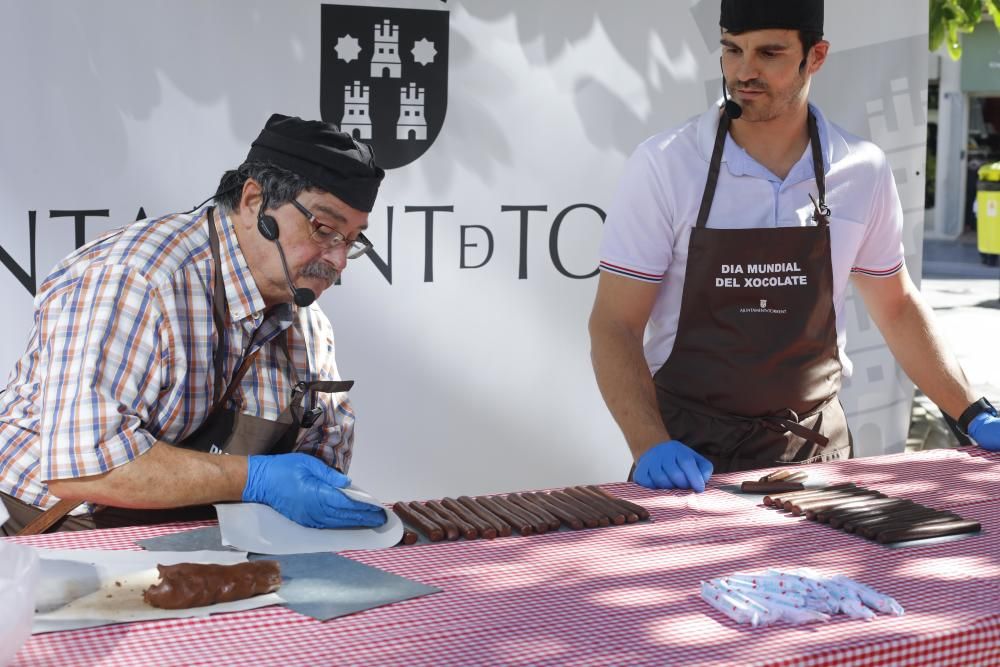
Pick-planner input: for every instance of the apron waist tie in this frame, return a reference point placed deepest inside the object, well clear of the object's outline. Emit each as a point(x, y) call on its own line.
point(782, 421)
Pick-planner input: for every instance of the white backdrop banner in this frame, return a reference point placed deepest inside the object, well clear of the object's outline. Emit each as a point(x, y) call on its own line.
point(466, 332)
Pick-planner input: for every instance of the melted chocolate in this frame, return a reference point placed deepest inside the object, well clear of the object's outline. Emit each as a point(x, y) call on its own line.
point(187, 585)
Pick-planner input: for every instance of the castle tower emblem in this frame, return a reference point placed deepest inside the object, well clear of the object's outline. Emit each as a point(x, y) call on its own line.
point(385, 56)
point(356, 119)
point(411, 124)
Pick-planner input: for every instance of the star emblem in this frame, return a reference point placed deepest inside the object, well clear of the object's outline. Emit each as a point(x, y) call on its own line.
point(347, 48)
point(423, 51)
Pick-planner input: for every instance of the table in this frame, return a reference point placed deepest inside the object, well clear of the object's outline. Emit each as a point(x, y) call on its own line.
point(618, 595)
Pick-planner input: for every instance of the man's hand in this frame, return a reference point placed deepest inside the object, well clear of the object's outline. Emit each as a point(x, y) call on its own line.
point(985, 430)
point(673, 465)
point(307, 491)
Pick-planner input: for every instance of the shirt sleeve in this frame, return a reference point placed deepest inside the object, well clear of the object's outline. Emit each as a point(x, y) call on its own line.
point(331, 438)
point(638, 236)
point(102, 369)
point(881, 251)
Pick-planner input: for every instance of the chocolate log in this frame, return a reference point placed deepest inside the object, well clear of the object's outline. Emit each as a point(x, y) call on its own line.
point(879, 507)
point(770, 487)
point(409, 537)
point(516, 522)
point(187, 585)
point(638, 510)
point(501, 526)
point(565, 515)
point(853, 507)
point(856, 524)
point(450, 529)
point(585, 517)
point(802, 506)
point(484, 529)
point(777, 499)
point(789, 500)
point(614, 515)
point(921, 531)
point(567, 499)
point(552, 522)
point(468, 531)
point(630, 517)
point(428, 527)
point(537, 524)
point(900, 520)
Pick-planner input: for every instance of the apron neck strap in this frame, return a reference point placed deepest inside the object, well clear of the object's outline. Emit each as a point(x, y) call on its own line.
point(821, 213)
point(218, 307)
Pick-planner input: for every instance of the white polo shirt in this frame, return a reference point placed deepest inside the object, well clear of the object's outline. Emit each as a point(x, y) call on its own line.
point(650, 219)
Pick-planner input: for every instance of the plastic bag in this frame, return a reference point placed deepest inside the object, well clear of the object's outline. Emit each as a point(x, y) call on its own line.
point(19, 570)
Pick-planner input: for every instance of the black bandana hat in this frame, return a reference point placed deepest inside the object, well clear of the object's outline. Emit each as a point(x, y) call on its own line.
point(319, 152)
point(739, 16)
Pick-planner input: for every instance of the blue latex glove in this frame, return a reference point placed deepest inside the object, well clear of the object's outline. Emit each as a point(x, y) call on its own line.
point(673, 465)
point(307, 491)
point(985, 430)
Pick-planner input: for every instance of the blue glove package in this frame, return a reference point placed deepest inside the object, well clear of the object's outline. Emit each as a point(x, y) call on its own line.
point(307, 491)
point(673, 465)
point(985, 430)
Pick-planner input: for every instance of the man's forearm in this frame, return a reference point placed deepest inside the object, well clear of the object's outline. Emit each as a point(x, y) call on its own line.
point(627, 387)
point(918, 347)
point(163, 477)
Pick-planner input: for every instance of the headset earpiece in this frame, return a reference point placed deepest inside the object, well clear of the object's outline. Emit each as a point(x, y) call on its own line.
point(267, 226)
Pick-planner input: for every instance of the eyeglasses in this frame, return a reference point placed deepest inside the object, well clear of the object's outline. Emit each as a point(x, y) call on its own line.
point(329, 238)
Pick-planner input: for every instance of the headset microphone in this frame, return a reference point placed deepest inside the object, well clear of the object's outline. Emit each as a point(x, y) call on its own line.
point(268, 228)
point(733, 110)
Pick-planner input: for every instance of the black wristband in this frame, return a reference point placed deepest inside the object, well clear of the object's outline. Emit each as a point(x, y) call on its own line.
point(973, 411)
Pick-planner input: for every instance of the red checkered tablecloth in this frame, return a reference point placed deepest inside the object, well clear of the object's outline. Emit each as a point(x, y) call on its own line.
point(621, 595)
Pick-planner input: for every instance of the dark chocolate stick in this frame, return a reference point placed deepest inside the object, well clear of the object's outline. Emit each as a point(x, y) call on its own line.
point(539, 525)
point(567, 499)
point(639, 510)
point(777, 500)
point(516, 522)
point(630, 517)
point(485, 530)
point(564, 514)
point(429, 529)
point(468, 531)
point(856, 524)
point(585, 517)
point(802, 506)
point(614, 515)
point(552, 522)
point(502, 527)
point(855, 507)
point(409, 537)
point(450, 529)
point(920, 531)
point(776, 476)
point(900, 521)
point(770, 487)
point(789, 503)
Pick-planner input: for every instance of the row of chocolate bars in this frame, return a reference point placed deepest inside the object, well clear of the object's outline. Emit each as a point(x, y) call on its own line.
point(866, 512)
point(488, 517)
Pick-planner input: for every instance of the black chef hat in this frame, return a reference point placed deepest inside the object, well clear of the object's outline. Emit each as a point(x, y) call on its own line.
point(744, 15)
point(323, 155)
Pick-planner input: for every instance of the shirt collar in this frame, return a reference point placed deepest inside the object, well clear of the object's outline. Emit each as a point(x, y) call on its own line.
point(740, 163)
point(242, 296)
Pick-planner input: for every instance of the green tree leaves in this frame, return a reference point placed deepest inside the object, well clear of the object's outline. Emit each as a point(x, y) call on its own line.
point(950, 18)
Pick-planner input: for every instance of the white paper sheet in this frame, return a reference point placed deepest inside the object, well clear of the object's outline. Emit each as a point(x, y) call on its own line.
point(262, 530)
point(85, 588)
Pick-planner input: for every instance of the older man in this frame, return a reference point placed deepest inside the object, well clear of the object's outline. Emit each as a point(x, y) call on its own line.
point(733, 238)
point(180, 361)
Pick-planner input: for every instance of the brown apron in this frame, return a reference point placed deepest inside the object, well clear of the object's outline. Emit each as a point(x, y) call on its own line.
point(753, 376)
point(224, 431)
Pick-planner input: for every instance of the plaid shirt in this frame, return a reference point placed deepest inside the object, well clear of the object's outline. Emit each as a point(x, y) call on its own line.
point(121, 355)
